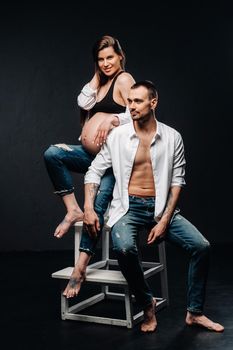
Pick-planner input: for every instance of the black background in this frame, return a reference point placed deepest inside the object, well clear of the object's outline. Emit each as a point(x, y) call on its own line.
point(45, 59)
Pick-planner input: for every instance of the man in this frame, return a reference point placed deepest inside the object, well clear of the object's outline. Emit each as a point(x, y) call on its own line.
point(148, 162)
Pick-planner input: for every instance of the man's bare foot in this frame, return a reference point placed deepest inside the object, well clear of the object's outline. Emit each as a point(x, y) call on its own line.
point(70, 218)
point(74, 285)
point(150, 323)
point(203, 321)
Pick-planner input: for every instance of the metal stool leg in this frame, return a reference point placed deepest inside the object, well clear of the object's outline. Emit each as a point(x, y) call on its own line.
point(163, 273)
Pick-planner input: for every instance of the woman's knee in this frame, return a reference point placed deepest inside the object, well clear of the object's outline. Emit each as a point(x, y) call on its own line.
point(51, 153)
point(107, 182)
point(102, 201)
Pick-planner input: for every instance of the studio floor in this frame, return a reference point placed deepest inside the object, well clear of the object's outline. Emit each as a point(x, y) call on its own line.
point(30, 307)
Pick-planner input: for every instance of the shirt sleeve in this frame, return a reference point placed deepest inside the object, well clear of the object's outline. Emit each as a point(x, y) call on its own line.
point(98, 166)
point(124, 117)
point(87, 97)
point(178, 163)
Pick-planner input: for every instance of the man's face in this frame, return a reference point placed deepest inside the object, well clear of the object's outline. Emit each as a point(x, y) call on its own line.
point(139, 103)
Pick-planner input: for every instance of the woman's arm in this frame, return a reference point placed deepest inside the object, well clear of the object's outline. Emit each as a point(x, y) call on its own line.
point(122, 87)
point(87, 97)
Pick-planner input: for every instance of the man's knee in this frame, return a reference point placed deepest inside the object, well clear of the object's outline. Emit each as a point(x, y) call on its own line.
point(203, 247)
point(125, 249)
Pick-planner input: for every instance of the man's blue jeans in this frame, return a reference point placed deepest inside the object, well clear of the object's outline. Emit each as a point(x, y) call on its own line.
point(180, 232)
point(60, 162)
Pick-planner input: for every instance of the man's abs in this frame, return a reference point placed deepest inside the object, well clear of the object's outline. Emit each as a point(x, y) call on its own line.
point(142, 181)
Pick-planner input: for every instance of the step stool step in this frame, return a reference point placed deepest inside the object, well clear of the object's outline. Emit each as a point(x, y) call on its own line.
point(94, 275)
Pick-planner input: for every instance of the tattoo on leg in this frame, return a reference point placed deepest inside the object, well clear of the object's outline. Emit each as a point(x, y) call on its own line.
point(73, 282)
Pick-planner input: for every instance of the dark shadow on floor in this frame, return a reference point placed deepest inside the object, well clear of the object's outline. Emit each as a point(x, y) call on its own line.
point(30, 307)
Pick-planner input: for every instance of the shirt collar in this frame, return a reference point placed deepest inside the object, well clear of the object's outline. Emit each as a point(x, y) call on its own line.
point(158, 130)
point(132, 132)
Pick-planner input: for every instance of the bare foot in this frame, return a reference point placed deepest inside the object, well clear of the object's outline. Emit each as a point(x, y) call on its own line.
point(70, 218)
point(150, 323)
point(74, 285)
point(203, 321)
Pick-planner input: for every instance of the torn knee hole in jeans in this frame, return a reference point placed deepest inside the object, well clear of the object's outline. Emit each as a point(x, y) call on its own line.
point(206, 241)
point(63, 146)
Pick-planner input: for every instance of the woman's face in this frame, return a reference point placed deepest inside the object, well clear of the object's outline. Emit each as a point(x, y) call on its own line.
point(109, 61)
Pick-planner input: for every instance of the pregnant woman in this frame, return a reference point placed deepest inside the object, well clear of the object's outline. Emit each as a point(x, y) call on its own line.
point(104, 101)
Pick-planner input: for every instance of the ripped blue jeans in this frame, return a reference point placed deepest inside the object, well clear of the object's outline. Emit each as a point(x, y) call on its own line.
point(61, 160)
point(180, 233)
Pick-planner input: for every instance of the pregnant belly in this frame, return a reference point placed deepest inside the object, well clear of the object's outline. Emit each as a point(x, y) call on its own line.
point(89, 130)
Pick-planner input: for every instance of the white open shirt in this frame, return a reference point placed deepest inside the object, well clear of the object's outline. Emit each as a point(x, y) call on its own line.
point(167, 159)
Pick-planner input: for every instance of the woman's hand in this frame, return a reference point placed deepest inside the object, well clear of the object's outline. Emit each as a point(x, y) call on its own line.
point(96, 129)
point(104, 128)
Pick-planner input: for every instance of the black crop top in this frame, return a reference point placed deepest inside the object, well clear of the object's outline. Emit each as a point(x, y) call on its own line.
point(107, 104)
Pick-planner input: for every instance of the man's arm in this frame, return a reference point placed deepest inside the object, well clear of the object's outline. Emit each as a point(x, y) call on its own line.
point(92, 181)
point(158, 231)
point(178, 171)
point(177, 183)
point(171, 205)
point(90, 219)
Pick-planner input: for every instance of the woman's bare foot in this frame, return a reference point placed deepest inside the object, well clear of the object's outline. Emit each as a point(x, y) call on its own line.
point(71, 217)
point(203, 321)
point(150, 323)
point(73, 287)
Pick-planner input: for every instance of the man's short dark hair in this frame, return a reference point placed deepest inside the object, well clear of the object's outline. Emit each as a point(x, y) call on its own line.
point(152, 91)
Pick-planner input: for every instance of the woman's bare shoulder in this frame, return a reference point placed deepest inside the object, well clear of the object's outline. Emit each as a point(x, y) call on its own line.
point(124, 78)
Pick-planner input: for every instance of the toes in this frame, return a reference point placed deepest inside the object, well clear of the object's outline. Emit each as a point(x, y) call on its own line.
point(148, 329)
point(203, 321)
point(57, 232)
point(71, 290)
point(217, 327)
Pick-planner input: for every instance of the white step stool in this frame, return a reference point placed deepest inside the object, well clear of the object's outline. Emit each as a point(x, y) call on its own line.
point(100, 272)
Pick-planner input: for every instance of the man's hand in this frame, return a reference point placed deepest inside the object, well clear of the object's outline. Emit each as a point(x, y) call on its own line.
point(91, 222)
point(104, 128)
point(158, 231)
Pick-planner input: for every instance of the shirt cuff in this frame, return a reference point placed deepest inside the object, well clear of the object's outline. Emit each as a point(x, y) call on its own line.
point(88, 91)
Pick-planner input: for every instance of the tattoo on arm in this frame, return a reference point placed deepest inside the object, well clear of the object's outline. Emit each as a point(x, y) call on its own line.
point(169, 205)
point(93, 191)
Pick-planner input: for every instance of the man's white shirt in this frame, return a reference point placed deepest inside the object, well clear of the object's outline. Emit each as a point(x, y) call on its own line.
point(167, 160)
